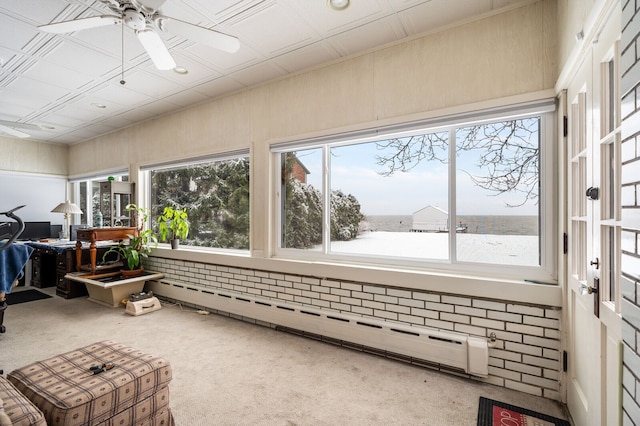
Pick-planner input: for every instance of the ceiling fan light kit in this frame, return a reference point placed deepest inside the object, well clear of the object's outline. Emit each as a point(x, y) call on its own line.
point(134, 19)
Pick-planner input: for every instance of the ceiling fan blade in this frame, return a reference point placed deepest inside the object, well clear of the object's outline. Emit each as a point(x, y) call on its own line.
point(13, 132)
point(198, 34)
point(16, 125)
point(156, 49)
point(80, 24)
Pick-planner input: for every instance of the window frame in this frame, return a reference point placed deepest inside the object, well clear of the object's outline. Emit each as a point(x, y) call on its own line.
point(144, 179)
point(545, 273)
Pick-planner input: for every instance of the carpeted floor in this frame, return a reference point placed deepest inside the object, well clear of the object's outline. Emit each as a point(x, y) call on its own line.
point(230, 372)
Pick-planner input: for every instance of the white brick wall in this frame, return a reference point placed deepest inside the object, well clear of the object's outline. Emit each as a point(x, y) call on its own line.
point(526, 356)
point(630, 157)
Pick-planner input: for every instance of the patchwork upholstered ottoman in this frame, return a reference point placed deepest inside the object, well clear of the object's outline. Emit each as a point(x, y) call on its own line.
point(105, 384)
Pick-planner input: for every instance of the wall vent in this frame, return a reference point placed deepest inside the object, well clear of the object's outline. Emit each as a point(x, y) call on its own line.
point(456, 350)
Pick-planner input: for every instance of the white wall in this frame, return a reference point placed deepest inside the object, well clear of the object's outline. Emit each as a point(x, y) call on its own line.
point(39, 194)
point(34, 174)
point(29, 156)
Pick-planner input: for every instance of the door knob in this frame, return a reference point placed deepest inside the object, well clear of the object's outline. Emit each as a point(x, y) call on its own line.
point(592, 193)
point(585, 289)
point(595, 263)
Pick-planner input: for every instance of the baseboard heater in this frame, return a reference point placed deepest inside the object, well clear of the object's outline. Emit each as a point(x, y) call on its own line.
point(456, 350)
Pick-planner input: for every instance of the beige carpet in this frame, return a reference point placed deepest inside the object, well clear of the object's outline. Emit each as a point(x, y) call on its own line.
point(230, 372)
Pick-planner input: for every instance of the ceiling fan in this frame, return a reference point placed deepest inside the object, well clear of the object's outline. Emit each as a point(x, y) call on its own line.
point(145, 18)
point(11, 128)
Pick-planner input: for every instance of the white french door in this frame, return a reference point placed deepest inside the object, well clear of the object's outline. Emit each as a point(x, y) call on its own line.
point(593, 266)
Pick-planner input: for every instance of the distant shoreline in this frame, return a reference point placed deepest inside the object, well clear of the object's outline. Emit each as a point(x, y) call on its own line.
point(480, 224)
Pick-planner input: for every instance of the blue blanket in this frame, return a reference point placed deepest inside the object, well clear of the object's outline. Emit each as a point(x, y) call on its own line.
point(12, 262)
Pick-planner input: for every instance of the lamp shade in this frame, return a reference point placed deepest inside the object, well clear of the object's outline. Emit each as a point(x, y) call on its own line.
point(67, 207)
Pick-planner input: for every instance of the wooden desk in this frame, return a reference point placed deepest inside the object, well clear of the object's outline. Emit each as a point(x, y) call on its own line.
point(50, 262)
point(99, 234)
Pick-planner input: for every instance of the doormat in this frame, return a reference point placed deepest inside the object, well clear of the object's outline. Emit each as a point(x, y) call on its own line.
point(25, 296)
point(496, 413)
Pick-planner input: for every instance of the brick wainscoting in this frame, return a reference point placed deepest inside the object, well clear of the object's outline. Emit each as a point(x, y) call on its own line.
point(526, 356)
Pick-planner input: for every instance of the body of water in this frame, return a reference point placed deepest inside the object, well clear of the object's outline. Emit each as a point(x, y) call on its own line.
point(495, 225)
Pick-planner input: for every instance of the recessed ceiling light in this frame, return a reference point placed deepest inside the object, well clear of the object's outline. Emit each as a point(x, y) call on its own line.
point(180, 70)
point(97, 105)
point(46, 126)
point(338, 4)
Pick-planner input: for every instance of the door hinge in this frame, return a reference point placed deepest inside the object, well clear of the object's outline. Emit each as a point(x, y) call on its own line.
point(565, 362)
point(565, 243)
point(565, 126)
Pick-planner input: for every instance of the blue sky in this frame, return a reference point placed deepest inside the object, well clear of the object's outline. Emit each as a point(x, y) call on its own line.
point(354, 170)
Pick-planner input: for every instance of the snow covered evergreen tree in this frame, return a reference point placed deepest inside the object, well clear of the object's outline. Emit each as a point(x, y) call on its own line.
point(216, 196)
point(303, 212)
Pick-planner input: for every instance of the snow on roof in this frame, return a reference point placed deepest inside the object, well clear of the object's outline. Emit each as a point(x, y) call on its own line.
point(431, 208)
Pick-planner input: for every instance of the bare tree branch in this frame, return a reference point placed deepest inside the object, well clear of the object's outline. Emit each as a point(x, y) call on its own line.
point(508, 151)
point(410, 151)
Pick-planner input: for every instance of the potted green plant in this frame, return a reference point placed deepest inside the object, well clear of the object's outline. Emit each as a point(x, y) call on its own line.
point(139, 245)
point(173, 225)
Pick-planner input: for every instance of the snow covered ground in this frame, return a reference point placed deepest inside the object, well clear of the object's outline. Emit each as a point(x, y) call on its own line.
point(498, 249)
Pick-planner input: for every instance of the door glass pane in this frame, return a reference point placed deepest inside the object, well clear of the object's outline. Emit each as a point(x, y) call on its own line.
point(578, 249)
point(578, 125)
point(608, 173)
point(579, 180)
point(611, 263)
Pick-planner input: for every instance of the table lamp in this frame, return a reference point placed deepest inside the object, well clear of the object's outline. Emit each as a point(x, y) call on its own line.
point(67, 208)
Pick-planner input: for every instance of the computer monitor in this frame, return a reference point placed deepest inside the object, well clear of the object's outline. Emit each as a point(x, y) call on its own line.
point(8, 228)
point(55, 231)
point(36, 230)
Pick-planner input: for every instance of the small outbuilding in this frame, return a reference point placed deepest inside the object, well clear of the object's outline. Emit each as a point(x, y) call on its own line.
point(430, 219)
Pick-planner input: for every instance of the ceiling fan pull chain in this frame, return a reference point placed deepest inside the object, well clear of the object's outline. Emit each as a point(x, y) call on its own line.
point(122, 54)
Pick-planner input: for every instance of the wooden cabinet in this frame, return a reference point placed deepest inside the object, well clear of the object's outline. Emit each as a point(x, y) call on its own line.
point(36, 269)
point(42, 264)
point(114, 197)
point(65, 263)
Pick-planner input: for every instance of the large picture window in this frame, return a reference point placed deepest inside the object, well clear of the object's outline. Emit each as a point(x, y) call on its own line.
point(465, 194)
point(215, 193)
